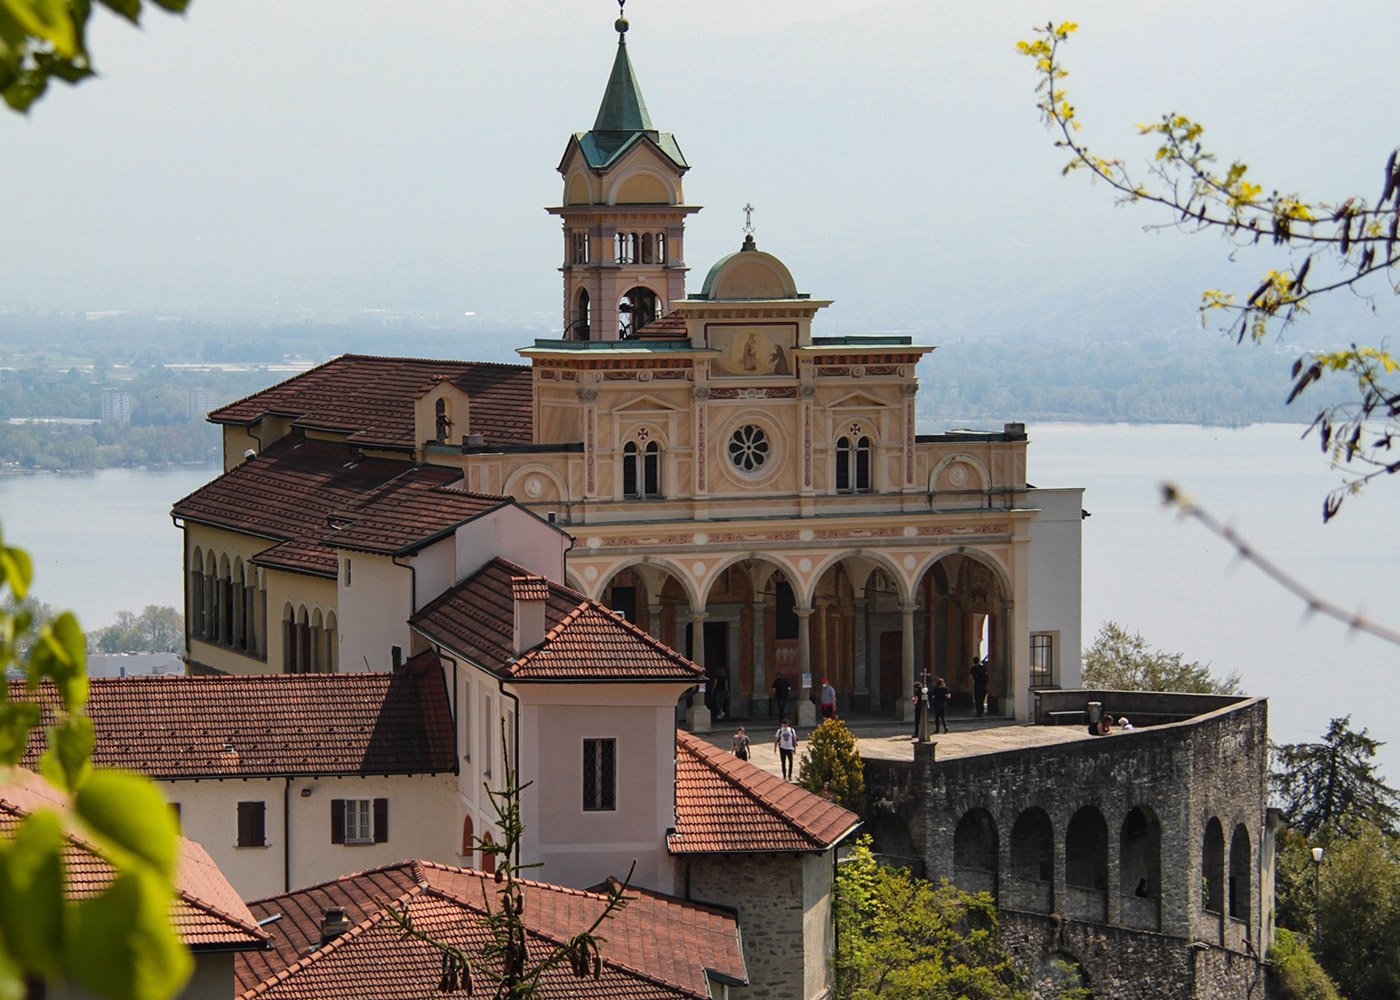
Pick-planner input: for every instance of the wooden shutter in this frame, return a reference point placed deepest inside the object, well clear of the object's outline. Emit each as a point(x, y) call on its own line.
point(381, 820)
point(252, 830)
point(337, 821)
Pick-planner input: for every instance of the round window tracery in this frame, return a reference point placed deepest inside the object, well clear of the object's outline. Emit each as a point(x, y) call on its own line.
point(749, 448)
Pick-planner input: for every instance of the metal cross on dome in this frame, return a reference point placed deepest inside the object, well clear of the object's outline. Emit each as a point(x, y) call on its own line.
point(748, 219)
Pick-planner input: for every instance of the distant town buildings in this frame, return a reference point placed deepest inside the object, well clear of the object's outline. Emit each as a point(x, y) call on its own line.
point(199, 401)
point(116, 406)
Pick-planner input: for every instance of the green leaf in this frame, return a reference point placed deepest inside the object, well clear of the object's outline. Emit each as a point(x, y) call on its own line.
point(12, 984)
point(122, 945)
point(66, 764)
point(31, 894)
point(17, 570)
point(128, 812)
point(129, 9)
point(17, 718)
point(60, 654)
point(49, 20)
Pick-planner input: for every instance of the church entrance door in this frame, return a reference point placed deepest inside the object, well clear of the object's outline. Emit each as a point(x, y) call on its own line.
point(891, 671)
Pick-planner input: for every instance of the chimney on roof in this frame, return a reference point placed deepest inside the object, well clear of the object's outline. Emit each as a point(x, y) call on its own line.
point(334, 923)
point(529, 594)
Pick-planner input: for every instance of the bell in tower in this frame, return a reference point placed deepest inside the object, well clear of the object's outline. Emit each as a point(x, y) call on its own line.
point(623, 213)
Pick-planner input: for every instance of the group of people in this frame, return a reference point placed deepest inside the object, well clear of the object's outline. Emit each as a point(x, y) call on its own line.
point(784, 741)
point(1105, 725)
point(938, 697)
point(782, 687)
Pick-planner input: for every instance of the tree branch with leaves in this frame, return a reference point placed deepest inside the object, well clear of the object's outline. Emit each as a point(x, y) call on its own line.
point(1325, 247)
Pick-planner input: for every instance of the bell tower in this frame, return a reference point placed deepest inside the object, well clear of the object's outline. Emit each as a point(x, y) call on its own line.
point(623, 215)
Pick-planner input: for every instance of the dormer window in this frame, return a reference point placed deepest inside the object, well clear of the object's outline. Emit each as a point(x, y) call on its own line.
point(853, 465)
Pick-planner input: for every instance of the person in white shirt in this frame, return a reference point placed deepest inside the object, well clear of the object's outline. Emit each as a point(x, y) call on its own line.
point(786, 743)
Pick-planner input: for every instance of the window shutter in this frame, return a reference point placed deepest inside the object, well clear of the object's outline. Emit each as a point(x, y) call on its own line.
point(381, 820)
point(259, 824)
point(244, 837)
point(251, 828)
point(337, 821)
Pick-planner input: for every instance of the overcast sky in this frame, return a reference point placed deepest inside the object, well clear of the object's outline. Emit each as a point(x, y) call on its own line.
point(318, 158)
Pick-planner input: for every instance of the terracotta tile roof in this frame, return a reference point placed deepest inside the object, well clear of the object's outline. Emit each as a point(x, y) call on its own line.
point(409, 512)
point(277, 724)
point(207, 913)
point(672, 326)
point(529, 588)
point(584, 640)
point(371, 399)
point(657, 946)
point(727, 805)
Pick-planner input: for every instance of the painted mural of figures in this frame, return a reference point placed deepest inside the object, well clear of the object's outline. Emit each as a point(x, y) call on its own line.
point(750, 361)
point(778, 361)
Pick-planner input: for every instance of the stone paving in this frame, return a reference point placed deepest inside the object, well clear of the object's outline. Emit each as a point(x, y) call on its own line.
point(880, 737)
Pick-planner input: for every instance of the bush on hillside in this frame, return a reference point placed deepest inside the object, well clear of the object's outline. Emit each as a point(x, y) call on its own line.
point(1293, 972)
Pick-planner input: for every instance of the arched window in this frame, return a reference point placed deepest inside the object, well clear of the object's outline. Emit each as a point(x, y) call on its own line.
point(196, 585)
point(443, 417)
point(210, 631)
point(578, 246)
point(332, 644)
point(648, 248)
point(1086, 865)
point(630, 456)
point(661, 248)
point(488, 858)
point(1033, 847)
point(1140, 869)
point(635, 310)
point(625, 248)
point(582, 325)
point(468, 840)
point(239, 590)
point(303, 644)
point(317, 644)
point(1239, 873)
point(289, 639)
point(862, 483)
point(225, 588)
point(843, 465)
point(651, 470)
point(1213, 867)
point(975, 852)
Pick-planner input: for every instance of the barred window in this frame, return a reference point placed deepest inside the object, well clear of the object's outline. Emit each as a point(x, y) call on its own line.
point(599, 775)
point(1042, 659)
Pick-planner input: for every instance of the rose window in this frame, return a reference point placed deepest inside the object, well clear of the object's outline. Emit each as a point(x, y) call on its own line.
point(748, 448)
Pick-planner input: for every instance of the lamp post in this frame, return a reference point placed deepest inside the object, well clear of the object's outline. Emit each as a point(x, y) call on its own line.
point(1317, 853)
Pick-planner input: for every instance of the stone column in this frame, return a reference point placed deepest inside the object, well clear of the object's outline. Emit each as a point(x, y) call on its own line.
point(654, 620)
point(1113, 889)
point(806, 711)
point(762, 690)
point(906, 704)
point(860, 694)
point(697, 716)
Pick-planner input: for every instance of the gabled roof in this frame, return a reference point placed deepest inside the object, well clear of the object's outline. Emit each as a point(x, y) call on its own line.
point(584, 640)
point(275, 724)
point(371, 399)
point(403, 516)
point(725, 805)
point(313, 497)
point(207, 912)
point(656, 947)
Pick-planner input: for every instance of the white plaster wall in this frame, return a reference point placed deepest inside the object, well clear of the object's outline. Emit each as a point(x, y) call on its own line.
point(374, 611)
point(511, 533)
point(435, 568)
point(1056, 575)
point(818, 924)
point(422, 824)
point(579, 847)
point(212, 980)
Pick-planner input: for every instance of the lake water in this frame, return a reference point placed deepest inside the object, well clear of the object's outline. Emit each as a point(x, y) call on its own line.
point(104, 542)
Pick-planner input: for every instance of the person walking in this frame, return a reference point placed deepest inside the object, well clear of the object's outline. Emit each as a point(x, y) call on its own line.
point(920, 707)
point(780, 694)
point(979, 683)
point(740, 745)
point(786, 743)
point(828, 700)
point(941, 696)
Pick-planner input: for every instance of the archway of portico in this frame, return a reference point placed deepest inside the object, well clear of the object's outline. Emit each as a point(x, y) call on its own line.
point(964, 599)
point(744, 633)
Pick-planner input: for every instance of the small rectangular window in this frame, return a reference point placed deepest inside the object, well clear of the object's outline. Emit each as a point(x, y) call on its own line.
point(359, 821)
point(347, 571)
point(599, 775)
point(395, 656)
point(175, 812)
point(1042, 659)
point(252, 824)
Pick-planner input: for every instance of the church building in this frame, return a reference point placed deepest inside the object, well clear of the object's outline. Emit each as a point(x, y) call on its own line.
point(749, 491)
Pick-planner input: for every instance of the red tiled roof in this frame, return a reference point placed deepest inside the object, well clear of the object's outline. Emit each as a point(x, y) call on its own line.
point(278, 724)
point(529, 588)
point(672, 326)
point(727, 805)
point(409, 512)
point(207, 912)
point(584, 640)
point(656, 947)
point(371, 399)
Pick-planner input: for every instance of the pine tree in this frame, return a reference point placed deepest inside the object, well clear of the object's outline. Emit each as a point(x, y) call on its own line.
point(1333, 784)
point(831, 766)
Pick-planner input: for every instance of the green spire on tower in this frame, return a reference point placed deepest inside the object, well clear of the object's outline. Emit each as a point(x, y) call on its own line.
point(623, 109)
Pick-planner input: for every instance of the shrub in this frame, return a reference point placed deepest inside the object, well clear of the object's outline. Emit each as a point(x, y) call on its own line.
point(1293, 972)
point(831, 758)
